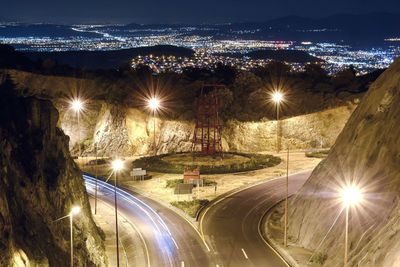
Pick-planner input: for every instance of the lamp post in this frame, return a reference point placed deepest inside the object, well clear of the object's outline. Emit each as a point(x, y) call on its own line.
point(277, 97)
point(77, 106)
point(286, 199)
point(154, 104)
point(117, 165)
point(351, 196)
point(74, 211)
point(95, 171)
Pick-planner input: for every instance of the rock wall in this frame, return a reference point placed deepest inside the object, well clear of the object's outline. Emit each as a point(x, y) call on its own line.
point(39, 183)
point(127, 132)
point(366, 153)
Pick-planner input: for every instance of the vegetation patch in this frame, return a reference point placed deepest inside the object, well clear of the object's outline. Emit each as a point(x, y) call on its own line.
point(173, 183)
point(230, 163)
point(318, 154)
point(319, 258)
point(190, 207)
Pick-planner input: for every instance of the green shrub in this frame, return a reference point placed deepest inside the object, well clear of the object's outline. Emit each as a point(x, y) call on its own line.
point(319, 258)
point(318, 154)
point(172, 183)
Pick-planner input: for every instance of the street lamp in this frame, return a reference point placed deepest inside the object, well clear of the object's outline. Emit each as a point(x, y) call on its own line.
point(77, 106)
point(154, 104)
point(117, 165)
point(277, 97)
point(74, 211)
point(286, 199)
point(95, 171)
point(351, 196)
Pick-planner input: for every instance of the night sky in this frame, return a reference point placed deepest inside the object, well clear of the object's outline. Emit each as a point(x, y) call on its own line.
point(181, 11)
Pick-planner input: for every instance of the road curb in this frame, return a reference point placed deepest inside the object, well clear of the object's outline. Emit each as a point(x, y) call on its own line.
point(271, 242)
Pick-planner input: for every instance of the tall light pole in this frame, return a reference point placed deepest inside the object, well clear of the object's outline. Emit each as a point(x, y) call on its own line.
point(77, 106)
point(277, 97)
point(74, 211)
point(117, 165)
point(154, 104)
point(351, 196)
point(287, 199)
point(95, 173)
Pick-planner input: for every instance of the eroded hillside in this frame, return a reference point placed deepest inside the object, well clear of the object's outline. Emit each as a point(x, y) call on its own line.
point(366, 153)
point(123, 130)
point(39, 183)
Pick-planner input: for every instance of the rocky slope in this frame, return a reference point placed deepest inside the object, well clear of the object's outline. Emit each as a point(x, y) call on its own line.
point(39, 183)
point(366, 153)
point(125, 131)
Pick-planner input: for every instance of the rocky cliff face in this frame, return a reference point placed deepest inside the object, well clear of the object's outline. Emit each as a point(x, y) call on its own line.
point(39, 183)
point(366, 153)
point(128, 132)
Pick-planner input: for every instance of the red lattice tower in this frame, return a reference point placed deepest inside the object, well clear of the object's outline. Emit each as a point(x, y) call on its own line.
point(208, 130)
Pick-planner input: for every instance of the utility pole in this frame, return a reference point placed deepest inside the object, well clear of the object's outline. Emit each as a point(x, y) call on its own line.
point(287, 198)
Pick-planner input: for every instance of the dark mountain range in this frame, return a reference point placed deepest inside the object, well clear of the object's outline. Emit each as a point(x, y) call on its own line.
point(355, 29)
point(42, 30)
point(11, 59)
point(358, 30)
point(108, 59)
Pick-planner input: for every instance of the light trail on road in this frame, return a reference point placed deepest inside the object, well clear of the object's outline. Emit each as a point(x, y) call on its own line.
point(170, 239)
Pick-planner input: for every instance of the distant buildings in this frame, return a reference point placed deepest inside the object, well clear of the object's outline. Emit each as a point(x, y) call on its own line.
point(209, 45)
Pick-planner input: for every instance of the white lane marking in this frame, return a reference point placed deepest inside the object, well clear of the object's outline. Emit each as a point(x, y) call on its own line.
point(182, 264)
point(245, 255)
point(176, 245)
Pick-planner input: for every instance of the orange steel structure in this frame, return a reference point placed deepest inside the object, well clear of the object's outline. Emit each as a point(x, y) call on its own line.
point(208, 130)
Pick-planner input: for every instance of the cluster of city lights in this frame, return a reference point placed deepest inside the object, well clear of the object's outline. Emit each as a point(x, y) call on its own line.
point(210, 50)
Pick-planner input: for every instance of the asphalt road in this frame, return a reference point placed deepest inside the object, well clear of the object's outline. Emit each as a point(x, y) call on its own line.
point(169, 239)
point(231, 225)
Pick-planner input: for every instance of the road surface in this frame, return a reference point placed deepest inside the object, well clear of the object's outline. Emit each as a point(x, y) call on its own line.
point(231, 225)
point(169, 239)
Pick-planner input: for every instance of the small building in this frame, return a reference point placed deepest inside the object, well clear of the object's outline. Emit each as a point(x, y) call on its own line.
point(192, 176)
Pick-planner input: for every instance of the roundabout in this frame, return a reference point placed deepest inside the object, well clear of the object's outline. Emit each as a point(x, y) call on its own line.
point(230, 162)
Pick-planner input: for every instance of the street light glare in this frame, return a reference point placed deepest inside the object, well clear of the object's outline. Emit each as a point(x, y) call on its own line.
point(351, 196)
point(117, 165)
point(153, 103)
point(277, 97)
point(77, 105)
point(75, 210)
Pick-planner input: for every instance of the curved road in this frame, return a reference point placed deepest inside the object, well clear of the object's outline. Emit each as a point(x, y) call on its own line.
point(168, 238)
point(231, 224)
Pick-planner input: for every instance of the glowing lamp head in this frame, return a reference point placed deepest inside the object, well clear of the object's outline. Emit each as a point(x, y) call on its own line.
point(77, 105)
point(277, 97)
point(75, 210)
point(117, 165)
point(153, 103)
point(351, 196)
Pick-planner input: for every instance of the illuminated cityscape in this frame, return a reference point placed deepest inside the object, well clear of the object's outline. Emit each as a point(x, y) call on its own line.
point(212, 46)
